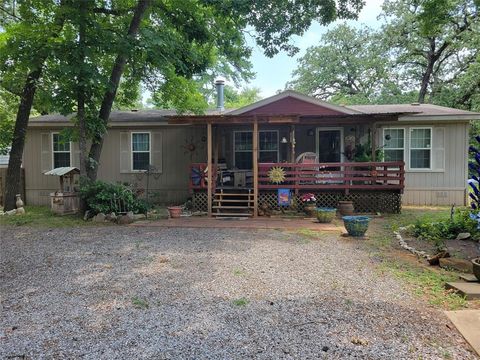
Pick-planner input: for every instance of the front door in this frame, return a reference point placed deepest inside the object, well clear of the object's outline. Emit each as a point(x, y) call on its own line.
point(329, 145)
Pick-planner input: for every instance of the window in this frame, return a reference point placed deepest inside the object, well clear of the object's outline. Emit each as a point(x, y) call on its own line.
point(140, 151)
point(394, 144)
point(268, 148)
point(61, 151)
point(420, 148)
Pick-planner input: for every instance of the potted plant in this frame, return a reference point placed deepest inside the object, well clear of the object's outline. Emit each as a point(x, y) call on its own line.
point(325, 215)
point(174, 211)
point(356, 225)
point(309, 203)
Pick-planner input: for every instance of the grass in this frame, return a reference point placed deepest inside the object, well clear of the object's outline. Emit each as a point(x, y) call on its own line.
point(425, 281)
point(239, 272)
point(240, 302)
point(42, 216)
point(140, 303)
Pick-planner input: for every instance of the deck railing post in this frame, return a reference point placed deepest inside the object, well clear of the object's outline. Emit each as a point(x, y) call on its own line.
point(255, 166)
point(209, 169)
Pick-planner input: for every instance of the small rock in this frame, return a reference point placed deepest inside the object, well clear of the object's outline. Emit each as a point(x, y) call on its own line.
point(434, 260)
point(358, 341)
point(111, 217)
point(325, 348)
point(124, 220)
point(87, 215)
point(139, 216)
point(100, 217)
point(456, 264)
point(463, 236)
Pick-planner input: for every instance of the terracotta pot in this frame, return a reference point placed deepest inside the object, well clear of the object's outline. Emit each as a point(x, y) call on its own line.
point(345, 207)
point(175, 211)
point(476, 267)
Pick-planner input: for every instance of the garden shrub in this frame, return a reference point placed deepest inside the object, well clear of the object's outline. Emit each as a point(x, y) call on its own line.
point(438, 232)
point(103, 197)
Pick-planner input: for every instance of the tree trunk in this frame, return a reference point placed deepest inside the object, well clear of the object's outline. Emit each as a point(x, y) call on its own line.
point(109, 96)
point(12, 183)
point(81, 90)
point(425, 80)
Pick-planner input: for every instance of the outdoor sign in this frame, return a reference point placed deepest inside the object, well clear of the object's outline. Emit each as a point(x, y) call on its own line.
point(283, 197)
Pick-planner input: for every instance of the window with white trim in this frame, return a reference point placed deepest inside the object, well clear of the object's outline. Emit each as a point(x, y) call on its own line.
point(61, 151)
point(140, 151)
point(394, 144)
point(420, 148)
point(267, 148)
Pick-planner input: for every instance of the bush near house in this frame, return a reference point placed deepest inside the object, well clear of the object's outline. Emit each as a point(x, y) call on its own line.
point(104, 197)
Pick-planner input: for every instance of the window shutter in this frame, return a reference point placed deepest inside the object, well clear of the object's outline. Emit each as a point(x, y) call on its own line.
point(125, 154)
point(75, 154)
point(438, 148)
point(157, 153)
point(46, 156)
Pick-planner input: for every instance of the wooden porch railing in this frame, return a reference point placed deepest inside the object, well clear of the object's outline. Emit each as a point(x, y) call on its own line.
point(322, 176)
point(336, 176)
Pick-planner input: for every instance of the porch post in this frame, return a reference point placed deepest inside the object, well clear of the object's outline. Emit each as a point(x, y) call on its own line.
point(209, 167)
point(255, 166)
point(374, 142)
point(292, 143)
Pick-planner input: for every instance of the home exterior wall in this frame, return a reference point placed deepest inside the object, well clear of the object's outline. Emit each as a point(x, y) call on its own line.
point(170, 185)
point(446, 182)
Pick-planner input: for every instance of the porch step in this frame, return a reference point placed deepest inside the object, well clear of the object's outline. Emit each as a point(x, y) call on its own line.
point(231, 207)
point(233, 203)
point(232, 214)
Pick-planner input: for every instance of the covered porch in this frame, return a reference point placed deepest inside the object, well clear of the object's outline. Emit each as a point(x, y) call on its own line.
point(313, 153)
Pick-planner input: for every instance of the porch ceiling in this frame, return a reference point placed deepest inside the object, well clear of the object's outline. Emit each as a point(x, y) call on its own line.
point(344, 119)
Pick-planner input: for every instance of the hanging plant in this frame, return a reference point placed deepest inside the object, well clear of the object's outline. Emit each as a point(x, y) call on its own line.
point(276, 175)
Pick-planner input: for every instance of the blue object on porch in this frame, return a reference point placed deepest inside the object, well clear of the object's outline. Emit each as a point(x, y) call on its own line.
point(356, 225)
point(284, 197)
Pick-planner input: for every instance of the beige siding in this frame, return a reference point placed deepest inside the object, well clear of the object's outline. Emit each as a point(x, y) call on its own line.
point(169, 154)
point(446, 183)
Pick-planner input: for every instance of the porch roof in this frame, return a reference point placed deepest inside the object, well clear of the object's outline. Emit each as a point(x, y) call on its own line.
point(229, 119)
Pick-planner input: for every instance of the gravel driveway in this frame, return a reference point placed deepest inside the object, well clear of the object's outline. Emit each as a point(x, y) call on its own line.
point(156, 293)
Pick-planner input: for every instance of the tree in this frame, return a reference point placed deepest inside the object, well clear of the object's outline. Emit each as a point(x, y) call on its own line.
point(34, 34)
point(349, 66)
point(235, 99)
point(429, 39)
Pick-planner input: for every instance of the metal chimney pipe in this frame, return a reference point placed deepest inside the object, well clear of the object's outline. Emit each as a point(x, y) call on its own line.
point(219, 84)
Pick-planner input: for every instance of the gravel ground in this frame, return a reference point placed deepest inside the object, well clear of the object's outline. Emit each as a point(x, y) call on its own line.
point(155, 293)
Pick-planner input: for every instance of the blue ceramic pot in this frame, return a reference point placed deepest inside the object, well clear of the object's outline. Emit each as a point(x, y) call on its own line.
point(356, 225)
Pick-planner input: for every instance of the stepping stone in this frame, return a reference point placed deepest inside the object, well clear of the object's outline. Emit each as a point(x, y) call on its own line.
point(457, 264)
point(470, 290)
point(468, 324)
point(468, 278)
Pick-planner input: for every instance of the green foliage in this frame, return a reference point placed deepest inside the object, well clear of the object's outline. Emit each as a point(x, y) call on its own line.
point(241, 302)
point(235, 99)
point(439, 231)
point(140, 303)
point(434, 43)
point(103, 197)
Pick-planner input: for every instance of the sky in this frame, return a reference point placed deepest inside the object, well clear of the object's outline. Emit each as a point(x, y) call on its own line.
point(273, 73)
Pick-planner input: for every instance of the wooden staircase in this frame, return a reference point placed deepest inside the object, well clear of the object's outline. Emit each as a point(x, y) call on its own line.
point(233, 203)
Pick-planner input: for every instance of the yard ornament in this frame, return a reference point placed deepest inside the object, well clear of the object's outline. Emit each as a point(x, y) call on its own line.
point(276, 175)
point(474, 182)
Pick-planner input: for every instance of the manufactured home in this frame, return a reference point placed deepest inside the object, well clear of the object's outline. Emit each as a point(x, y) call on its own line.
point(378, 156)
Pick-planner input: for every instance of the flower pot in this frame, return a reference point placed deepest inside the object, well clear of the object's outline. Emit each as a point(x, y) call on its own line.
point(476, 267)
point(345, 208)
point(356, 225)
point(175, 211)
point(326, 215)
point(309, 209)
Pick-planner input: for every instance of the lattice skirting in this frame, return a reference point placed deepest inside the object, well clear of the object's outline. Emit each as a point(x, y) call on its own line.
point(363, 201)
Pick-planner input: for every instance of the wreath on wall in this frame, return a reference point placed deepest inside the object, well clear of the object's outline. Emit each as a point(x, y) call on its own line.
point(276, 175)
point(190, 147)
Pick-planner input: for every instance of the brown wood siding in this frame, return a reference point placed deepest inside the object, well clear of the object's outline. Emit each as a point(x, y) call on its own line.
point(290, 105)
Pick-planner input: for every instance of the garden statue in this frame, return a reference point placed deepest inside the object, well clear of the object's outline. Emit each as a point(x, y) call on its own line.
point(19, 203)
